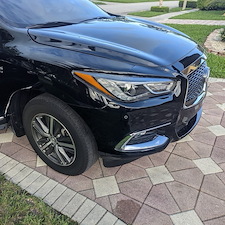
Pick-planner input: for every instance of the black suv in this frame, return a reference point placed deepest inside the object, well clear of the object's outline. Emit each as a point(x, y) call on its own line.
point(81, 82)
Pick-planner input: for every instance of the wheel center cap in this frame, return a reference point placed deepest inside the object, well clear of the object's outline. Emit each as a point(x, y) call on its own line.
point(54, 141)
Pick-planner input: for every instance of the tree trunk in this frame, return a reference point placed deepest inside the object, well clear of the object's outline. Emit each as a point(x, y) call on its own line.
point(184, 4)
point(160, 3)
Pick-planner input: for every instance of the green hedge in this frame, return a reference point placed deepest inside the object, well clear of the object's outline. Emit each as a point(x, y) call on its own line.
point(160, 9)
point(211, 4)
point(190, 4)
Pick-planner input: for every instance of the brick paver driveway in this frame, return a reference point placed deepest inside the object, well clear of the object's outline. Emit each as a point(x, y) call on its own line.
point(184, 184)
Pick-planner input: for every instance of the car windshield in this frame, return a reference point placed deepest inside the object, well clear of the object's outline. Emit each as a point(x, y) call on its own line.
point(25, 13)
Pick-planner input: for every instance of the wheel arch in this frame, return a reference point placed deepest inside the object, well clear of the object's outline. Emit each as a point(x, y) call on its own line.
point(15, 106)
point(18, 100)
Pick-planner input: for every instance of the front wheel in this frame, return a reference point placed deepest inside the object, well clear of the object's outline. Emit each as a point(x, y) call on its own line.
point(59, 135)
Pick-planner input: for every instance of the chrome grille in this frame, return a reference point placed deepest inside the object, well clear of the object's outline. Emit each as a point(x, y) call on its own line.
point(196, 82)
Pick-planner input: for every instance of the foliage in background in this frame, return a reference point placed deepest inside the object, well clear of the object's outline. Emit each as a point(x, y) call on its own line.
point(215, 62)
point(160, 9)
point(223, 34)
point(20, 208)
point(190, 4)
point(211, 4)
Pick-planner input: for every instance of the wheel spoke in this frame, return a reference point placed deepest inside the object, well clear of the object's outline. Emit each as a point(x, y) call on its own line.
point(39, 129)
point(51, 126)
point(43, 147)
point(63, 144)
point(57, 129)
point(53, 157)
point(43, 126)
point(61, 159)
point(62, 151)
point(68, 150)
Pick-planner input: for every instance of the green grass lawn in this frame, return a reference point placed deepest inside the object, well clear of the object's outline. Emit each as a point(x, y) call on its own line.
point(178, 9)
point(215, 62)
point(146, 13)
point(133, 1)
point(99, 3)
point(151, 13)
point(203, 15)
point(19, 208)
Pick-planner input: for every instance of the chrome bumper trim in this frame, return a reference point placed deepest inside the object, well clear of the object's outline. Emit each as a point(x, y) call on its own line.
point(158, 141)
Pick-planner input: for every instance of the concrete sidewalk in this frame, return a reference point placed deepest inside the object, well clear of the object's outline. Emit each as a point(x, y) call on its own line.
point(198, 22)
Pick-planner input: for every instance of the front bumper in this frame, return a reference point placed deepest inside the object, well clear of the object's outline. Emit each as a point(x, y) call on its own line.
point(131, 130)
point(125, 134)
point(155, 139)
point(161, 137)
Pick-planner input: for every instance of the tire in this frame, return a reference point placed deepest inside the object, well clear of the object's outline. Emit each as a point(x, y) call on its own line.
point(59, 135)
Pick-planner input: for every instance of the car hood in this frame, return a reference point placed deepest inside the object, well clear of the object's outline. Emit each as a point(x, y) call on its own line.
point(119, 39)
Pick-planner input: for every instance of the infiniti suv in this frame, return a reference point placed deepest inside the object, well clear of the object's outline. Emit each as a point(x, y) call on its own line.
point(83, 83)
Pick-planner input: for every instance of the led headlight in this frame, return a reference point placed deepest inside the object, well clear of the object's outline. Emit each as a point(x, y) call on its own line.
point(130, 89)
point(161, 87)
point(133, 91)
point(124, 90)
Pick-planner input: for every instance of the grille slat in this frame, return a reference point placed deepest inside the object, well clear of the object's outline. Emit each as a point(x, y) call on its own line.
point(196, 82)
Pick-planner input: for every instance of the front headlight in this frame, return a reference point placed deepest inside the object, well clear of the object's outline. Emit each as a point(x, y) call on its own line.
point(130, 89)
point(133, 91)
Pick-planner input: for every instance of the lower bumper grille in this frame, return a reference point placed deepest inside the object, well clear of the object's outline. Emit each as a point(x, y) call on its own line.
point(143, 141)
point(196, 83)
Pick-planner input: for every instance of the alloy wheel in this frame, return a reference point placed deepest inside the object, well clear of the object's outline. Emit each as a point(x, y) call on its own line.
point(53, 139)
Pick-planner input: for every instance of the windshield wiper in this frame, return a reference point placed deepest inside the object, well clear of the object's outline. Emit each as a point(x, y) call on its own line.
point(50, 24)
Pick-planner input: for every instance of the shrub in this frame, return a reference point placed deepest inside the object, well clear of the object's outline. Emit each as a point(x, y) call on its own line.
point(211, 4)
point(216, 5)
point(201, 4)
point(160, 9)
point(190, 4)
point(223, 35)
